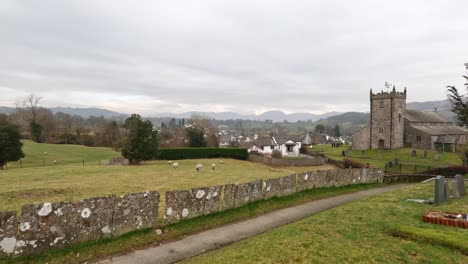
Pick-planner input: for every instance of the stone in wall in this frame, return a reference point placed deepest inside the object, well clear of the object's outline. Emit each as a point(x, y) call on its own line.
point(229, 196)
point(46, 226)
point(280, 186)
point(341, 177)
point(135, 211)
point(248, 192)
point(212, 200)
point(176, 202)
point(8, 230)
point(306, 181)
point(94, 219)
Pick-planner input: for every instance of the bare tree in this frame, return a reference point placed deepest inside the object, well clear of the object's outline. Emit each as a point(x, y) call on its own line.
point(29, 111)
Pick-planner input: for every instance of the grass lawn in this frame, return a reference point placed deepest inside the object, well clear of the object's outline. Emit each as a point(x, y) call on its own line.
point(378, 158)
point(20, 186)
point(37, 155)
point(359, 232)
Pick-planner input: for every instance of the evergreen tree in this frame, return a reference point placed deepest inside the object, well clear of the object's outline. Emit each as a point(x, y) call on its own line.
point(337, 131)
point(459, 105)
point(141, 142)
point(196, 137)
point(10, 144)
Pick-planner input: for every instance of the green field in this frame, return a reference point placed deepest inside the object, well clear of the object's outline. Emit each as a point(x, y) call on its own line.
point(359, 232)
point(73, 181)
point(378, 158)
point(37, 155)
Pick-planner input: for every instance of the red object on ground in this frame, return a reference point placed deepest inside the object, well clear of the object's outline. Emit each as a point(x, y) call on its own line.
point(444, 218)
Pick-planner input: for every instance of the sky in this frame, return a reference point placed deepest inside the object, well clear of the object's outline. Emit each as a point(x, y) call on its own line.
point(247, 56)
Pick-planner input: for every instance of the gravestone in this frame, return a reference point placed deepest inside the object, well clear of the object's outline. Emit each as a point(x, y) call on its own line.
point(397, 161)
point(446, 191)
point(390, 164)
point(436, 157)
point(455, 189)
point(413, 153)
point(425, 154)
point(439, 192)
point(461, 184)
point(363, 152)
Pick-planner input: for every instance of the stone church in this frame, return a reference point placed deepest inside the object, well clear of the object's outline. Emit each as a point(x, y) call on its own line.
point(392, 126)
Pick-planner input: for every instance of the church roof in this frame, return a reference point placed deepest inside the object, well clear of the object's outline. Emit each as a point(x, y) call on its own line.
point(442, 130)
point(425, 117)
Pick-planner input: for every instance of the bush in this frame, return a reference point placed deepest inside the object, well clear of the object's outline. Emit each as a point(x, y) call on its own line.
point(350, 163)
point(276, 154)
point(448, 171)
point(203, 153)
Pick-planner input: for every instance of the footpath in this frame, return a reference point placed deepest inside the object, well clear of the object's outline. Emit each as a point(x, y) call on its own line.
point(200, 243)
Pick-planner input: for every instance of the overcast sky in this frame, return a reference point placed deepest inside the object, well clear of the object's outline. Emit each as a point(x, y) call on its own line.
point(242, 56)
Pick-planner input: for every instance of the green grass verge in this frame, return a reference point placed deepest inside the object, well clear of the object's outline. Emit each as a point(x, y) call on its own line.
point(452, 239)
point(99, 249)
point(358, 232)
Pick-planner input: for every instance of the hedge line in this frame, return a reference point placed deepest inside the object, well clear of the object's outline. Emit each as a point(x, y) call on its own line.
point(203, 153)
point(448, 171)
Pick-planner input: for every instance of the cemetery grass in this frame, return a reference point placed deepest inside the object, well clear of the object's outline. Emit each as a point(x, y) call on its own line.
point(378, 160)
point(93, 250)
point(365, 231)
point(72, 182)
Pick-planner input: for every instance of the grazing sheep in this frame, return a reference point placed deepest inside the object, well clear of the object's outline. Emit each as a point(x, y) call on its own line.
point(221, 161)
point(170, 162)
point(175, 165)
point(198, 167)
point(213, 166)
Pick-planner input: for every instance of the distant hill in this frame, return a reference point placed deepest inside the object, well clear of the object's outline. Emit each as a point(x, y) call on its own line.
point(87, 112)
point(275, 116)
point(6, 110)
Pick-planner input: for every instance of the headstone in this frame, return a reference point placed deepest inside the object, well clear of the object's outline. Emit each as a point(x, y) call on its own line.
point(397, 161)
point(413, 153)
point(436, 157)
point(363, 152)
point(425, 154)
point(390, 164)
point(446, 191)
point(439, 192)
point(455, 189)
point(461, 184)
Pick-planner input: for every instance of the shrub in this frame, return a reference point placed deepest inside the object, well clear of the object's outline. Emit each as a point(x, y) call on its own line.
point(350, 163)
point(276, 154)
point(203, 153)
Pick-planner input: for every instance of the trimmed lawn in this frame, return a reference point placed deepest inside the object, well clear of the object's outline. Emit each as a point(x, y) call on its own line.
point(359, 232)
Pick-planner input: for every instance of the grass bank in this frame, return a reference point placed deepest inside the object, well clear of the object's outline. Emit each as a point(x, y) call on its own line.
point(359, 232)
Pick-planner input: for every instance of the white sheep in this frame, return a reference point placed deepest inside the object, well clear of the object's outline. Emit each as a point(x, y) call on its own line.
point(198, 167)
point(213, 166)
point(170, 162)
point(221, 161)
point(175, 165)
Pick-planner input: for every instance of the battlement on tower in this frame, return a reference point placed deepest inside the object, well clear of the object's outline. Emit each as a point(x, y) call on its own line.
point(388, 95)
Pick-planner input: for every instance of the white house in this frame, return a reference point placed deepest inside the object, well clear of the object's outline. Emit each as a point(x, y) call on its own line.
point(289, 147)
point(264, 145)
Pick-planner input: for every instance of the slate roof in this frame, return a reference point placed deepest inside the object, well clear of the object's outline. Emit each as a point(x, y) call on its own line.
point(307, 140)
point(442, 130)
point(446, 139)
point(425, 117)
point(264, 141)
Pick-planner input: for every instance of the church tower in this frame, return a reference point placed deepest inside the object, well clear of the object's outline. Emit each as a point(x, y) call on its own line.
point(387, 119)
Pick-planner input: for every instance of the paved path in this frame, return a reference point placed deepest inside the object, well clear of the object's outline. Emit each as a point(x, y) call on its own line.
point(215, 238)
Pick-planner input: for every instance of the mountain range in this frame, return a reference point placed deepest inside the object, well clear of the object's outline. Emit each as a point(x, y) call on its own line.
point(443, 107)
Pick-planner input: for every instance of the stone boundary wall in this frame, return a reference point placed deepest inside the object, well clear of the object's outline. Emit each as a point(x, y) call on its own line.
point(47, 226)
point(306, 161)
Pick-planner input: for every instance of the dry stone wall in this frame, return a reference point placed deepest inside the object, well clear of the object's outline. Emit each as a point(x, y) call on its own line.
point(42, 227)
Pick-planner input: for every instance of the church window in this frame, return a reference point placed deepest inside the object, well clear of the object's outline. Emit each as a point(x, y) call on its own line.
point(418, 138)
point(380, 129)
point(399, 117)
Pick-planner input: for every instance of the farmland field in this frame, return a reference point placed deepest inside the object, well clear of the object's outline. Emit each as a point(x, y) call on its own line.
point(73, 181)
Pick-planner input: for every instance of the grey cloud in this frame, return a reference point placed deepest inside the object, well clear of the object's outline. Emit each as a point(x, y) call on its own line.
point(244, 56)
